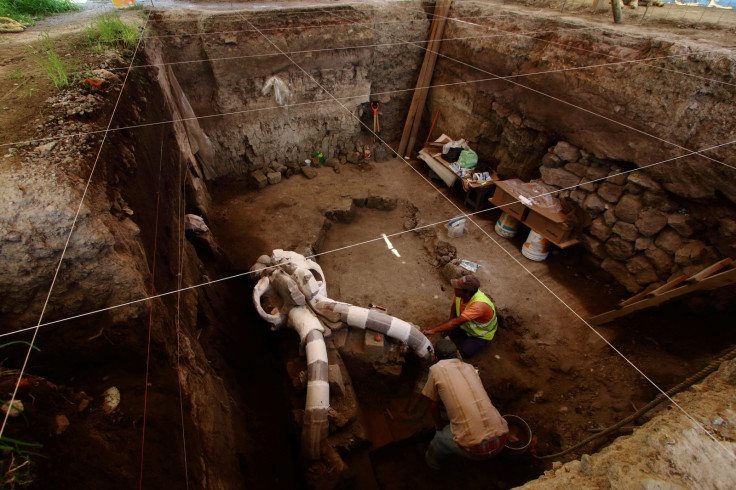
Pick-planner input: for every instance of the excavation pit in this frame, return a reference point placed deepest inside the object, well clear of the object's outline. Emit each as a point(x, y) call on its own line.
point(216, 121)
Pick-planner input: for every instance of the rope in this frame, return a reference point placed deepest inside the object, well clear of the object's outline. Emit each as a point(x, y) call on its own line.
point(182, 208)
point(565, 102)
point(712, 366)
point(68, 238)
point(150, 311)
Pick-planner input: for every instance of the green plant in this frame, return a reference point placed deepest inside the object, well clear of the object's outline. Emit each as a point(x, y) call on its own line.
point(15, 462)
point(16, 470)
point(29, 10)
point(110, 30)
point(23, 342)
point(18, 447)
point(16, 74)
point(15, 475)
point(27, 94)
point(57, 69)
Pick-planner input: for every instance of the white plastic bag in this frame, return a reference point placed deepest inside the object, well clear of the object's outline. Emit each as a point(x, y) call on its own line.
point(195, 223)
point(280, 89)
point(456, 227)
point(461, 143)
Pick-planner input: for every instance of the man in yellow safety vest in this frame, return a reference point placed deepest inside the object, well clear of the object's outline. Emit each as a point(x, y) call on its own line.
point(472, 317)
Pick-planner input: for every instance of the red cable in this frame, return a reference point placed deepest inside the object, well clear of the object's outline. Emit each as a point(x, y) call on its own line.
point(150, 325)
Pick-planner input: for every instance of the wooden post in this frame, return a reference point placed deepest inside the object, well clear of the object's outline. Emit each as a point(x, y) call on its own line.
point(434, 49)
point(411, 125)
point(617, 10)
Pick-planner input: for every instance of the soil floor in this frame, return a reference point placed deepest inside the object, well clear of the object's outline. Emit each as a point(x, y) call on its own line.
point(546, 365)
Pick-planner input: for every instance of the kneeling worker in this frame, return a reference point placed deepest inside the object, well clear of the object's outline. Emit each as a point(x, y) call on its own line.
point(473, 312)
point(476, 430)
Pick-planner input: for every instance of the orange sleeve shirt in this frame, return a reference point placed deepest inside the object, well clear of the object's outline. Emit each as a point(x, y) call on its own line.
point(478, 311)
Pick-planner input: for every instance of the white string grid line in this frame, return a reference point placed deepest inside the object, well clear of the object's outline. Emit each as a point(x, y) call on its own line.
point(427, 226)
point(353, 245)
point(152, 304)
point(636, 368)
point(181, 207)
point(544, 94)
point(320, 101)
point(66, 246)
point(455, 19)
point(603, 29)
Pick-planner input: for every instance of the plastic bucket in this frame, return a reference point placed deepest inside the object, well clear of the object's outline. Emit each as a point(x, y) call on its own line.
point(507, 226)
point(520, 435)
point(123, 3)
point(536, 247)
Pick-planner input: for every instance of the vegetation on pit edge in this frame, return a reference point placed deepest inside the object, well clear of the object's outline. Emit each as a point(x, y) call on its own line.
point(30, 10)
point(57, 69)
point(16, 458)
point(108, 31)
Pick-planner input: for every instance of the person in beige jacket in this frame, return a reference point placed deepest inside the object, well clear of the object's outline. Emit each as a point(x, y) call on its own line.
point(476, 430)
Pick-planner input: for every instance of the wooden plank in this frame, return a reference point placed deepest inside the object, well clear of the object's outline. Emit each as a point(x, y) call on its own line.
point(415, 96)
point(425, 77)
point(637, 297)
point(709, 283)
point(669, 286)
point(434, 48)
point(710, 270)
point(419, 97)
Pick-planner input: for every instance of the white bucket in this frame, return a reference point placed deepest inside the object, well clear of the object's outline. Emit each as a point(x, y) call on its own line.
point(507, 226)
point(536, 247)
point(456, 227)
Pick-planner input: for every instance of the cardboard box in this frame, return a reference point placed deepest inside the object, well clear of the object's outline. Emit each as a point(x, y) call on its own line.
point(502, 197)
point(551, 226)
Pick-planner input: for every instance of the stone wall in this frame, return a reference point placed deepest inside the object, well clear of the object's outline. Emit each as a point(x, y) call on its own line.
point(640, 233)
point(575, 109)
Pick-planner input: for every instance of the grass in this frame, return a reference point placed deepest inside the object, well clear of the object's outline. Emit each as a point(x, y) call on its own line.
point(16, 455)
point(16, 74)
point(57, 69)
point(29, 10)
point(110, 30)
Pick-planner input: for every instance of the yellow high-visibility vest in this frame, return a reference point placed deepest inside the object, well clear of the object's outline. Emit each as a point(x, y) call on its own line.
point(485, 331)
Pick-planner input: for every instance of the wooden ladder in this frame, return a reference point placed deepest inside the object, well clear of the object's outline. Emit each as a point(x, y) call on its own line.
point(720, 274)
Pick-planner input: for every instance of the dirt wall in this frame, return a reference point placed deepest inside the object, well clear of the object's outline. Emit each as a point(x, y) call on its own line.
point(129, 225)
point(669, 451)
point(260, 125)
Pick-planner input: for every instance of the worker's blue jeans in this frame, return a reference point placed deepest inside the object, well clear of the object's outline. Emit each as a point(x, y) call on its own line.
point(469, 346)
point(443, 445)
